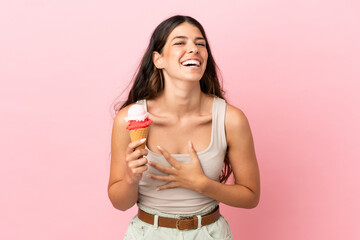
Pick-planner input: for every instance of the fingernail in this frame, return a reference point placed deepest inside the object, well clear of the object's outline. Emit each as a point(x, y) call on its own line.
point(149, 162)
point(148, 176)
point(159, 147)
point(143, 140)
point(190, 144)
point(157, 189)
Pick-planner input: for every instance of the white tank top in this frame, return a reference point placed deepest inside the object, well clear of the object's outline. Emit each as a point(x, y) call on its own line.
point(181, 200)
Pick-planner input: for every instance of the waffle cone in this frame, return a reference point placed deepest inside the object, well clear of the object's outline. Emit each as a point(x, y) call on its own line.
point(138, 134)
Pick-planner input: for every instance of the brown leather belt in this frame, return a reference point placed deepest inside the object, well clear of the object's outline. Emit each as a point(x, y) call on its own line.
point(183, 223)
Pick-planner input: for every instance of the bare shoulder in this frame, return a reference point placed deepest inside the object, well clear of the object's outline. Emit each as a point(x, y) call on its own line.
point(235, 117)
point(119, 119)
point(119, 131)
point(236, 123)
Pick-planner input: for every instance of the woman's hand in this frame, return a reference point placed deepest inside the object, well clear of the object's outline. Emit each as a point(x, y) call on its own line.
point(187, 175)
point(135, 162)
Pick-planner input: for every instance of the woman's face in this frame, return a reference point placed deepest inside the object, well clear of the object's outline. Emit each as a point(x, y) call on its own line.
point(184, 55)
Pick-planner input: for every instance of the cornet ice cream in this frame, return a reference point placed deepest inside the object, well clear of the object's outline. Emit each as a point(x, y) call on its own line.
point(139, 123)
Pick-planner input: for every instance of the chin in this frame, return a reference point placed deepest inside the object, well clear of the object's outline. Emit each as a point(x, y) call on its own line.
point(192, 79)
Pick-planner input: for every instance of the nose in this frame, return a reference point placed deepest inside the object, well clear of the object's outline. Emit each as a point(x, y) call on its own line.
point(193, 48)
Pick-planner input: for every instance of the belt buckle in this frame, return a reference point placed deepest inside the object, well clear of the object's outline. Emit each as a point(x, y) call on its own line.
point(178, 223)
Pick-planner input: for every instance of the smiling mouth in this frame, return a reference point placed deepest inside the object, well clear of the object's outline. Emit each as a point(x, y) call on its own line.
point(191, 63)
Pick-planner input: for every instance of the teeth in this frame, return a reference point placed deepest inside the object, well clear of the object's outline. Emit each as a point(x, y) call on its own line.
point(191, 62)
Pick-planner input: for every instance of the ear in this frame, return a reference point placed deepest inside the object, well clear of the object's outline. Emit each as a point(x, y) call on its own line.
point(157, 60)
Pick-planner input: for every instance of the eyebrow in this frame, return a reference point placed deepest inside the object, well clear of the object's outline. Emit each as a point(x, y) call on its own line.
point(184, 37)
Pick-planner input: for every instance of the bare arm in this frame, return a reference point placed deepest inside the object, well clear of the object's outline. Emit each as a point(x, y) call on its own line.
point(126, 166)
point(245, 192)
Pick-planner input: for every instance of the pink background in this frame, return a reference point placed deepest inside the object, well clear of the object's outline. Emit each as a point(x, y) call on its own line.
point(291, 66)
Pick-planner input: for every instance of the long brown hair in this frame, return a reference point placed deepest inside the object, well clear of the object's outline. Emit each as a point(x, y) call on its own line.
point(148, 82)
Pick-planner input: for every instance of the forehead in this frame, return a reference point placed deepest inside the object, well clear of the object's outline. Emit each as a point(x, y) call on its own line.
point(185, 29)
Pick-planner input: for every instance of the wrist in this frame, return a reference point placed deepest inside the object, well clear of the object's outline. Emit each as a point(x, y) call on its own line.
point(202, 184)
point(131, 180)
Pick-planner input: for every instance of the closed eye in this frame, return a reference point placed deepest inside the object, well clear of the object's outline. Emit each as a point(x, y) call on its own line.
point(182, 43)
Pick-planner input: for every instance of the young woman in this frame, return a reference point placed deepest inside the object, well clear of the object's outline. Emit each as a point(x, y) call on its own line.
point(196, 140)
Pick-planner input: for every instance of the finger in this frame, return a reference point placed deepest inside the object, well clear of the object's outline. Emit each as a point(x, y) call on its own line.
point(162, 168)
point(133, 145)
point(139, 170)
point(137, 163)
point(137, 154)
point(192, 152)
point(166, 186)
point(168, 157)
point(168, 178)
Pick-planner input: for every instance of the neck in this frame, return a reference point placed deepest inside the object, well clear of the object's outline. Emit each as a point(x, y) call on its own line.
point(182, 98)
